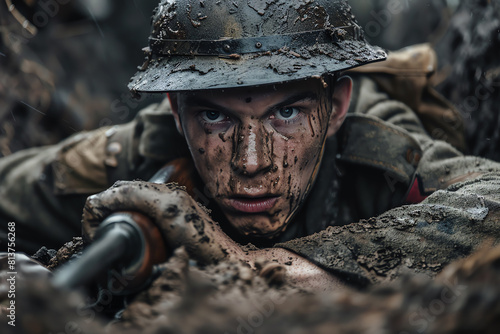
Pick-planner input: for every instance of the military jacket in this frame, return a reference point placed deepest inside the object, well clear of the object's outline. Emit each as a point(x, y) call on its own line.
point(354, 222)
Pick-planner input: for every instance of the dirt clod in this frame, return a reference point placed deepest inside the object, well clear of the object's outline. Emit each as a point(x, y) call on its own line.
point(66, 253)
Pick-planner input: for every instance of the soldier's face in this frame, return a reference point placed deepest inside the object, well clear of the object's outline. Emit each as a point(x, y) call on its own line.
point(258, 149)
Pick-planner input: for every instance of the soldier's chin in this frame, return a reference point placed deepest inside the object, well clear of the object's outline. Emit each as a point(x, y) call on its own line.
point(269, 230)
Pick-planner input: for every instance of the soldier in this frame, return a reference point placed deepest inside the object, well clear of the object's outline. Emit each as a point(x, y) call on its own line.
point(260, 129)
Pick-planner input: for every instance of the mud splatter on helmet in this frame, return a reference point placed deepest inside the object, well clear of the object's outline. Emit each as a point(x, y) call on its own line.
point(215, 44)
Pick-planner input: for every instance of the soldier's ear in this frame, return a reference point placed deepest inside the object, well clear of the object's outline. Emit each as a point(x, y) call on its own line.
point(173, 98)
point(341, 101)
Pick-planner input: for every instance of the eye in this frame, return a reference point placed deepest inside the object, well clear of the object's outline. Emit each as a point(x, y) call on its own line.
point(211, 116)
point(287, 113)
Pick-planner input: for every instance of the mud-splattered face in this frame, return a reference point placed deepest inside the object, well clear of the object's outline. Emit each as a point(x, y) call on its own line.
point(257, 149)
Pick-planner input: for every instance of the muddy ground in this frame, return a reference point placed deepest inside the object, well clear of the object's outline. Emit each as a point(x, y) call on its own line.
point(230, 298)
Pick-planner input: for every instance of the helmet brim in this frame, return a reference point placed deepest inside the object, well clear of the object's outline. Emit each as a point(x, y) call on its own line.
point(184, 73)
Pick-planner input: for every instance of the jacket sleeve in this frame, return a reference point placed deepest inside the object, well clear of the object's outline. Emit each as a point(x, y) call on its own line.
point(43, 190)
point(421, 238)
point(455, 204)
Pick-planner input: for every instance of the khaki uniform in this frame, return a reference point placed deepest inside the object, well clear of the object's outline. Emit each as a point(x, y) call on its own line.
point(381, 158)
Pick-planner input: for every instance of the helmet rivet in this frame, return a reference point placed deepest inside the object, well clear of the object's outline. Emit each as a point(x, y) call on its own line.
point(227, 48)
point(258, 45)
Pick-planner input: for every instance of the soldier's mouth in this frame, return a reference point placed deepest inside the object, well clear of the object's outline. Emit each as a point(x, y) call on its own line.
point(251, 204)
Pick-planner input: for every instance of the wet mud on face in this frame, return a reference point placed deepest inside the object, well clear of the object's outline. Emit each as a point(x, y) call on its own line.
point(250, 149)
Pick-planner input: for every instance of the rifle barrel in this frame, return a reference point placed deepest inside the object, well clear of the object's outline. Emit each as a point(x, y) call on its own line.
point(106, 252)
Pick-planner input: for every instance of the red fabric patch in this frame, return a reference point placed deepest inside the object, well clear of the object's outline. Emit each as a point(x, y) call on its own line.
point(415, 196)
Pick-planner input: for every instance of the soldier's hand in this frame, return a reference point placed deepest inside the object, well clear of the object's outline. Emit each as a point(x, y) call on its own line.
point(182, 221)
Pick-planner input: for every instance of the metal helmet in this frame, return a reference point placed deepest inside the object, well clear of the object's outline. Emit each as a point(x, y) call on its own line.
point(215, 44)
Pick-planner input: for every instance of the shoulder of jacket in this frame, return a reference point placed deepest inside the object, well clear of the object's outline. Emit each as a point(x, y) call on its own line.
point(369, 141)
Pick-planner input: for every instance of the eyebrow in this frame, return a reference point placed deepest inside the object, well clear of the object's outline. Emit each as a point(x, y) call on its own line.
point(304, 96)
point(203, 102)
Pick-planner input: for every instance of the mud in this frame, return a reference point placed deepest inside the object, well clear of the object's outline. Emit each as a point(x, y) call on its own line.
point(230, 298)
point(69, 251)
point(432, 294)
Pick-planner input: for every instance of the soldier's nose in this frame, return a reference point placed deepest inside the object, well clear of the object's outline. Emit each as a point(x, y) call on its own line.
point(252, 153)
